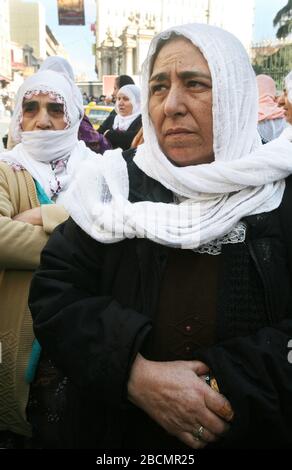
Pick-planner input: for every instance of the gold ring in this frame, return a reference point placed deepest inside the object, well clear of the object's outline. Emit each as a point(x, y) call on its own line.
point(198, 433)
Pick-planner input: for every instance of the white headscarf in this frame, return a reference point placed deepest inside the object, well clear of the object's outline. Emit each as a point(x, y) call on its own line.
point(38, 150)
point(133, 93)
point(245, 178)
point(58, 64)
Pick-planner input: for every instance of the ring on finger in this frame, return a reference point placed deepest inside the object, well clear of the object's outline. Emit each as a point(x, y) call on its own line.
point(198, 433)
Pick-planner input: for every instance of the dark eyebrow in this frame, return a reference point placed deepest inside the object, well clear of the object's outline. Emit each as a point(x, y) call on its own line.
point(160, 77)
point(25, 101)
point(52, 106)
point(55, 105)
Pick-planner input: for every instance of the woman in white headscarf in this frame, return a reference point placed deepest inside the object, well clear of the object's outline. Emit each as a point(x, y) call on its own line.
point(178, 298)
point(128, 119)
point(93, 139)
point(34, 177)
point(271, 122)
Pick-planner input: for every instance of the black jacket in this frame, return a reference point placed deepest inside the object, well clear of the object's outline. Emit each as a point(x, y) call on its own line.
point(108, 122)
point(93, 306)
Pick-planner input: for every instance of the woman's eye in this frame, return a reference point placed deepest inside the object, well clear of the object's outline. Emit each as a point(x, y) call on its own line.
point(157, 88)
point(56, 109)
point(29, 107)
point(197, 85)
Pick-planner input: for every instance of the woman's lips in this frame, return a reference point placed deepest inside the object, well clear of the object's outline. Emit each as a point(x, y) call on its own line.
point(177, 131)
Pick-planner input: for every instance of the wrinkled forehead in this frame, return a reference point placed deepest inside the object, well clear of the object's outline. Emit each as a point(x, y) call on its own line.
point(179, 56)
point(174, 47)
point(227, 60)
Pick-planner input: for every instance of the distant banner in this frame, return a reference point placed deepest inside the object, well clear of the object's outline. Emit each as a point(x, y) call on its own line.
point(71, 12)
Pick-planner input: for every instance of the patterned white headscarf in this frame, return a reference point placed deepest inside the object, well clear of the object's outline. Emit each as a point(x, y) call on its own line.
point(246, 178)
point(49, 155)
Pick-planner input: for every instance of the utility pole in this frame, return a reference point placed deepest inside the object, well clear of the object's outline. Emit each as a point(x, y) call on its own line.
point(208, 12)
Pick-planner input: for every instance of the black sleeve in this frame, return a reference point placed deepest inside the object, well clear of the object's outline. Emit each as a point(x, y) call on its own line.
point(108, 122)
point(254, 373)
point(88, 334)
point(285, 211)
point(124, 139)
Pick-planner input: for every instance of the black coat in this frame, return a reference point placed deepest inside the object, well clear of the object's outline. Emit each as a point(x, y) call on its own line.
point(108, 122)
point(93, 306)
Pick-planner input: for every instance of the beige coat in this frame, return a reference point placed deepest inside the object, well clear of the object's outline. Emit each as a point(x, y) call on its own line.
point(20, 248)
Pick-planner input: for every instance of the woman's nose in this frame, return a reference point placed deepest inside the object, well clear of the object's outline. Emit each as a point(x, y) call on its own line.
point(175, 102)
point(43, 120)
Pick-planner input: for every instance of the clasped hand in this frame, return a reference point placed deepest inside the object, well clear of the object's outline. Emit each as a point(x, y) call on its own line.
point(175, 395)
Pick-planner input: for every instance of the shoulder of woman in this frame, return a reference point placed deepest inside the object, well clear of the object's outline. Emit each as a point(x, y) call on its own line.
point(5, 166)
point(13, 170)
point(137, 123)
point(7, 172)
point(10, 167)
point(15, 176)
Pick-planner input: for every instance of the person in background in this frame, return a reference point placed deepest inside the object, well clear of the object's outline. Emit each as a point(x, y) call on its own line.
point(285, 101)
point(271, 122)
point(128, 118)
point(169, 288)
point(85, 98)
point(109, 100)
point(101, 100)
point(34, 176)
point(120, 81)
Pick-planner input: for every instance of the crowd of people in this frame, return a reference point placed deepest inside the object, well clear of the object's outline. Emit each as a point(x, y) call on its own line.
point(146, 286)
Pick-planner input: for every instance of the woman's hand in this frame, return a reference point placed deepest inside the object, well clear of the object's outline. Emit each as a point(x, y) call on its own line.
point(174, 395)
point(30, 216)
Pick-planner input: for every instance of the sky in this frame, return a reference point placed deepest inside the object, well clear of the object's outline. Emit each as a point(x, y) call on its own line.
point(78, 40)
point(265, 12)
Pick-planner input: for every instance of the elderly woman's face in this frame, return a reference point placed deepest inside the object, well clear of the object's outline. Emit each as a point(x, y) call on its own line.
point(40, 112)
point(286, 105)
point(180, 103)
point(125, 107)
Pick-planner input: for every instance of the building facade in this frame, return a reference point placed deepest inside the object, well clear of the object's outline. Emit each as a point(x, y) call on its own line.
point(53, 46)
point(28, 26)
point(29, 30)
point(125, 29)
